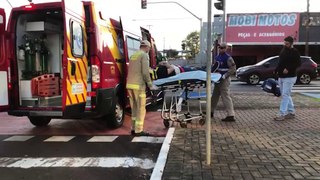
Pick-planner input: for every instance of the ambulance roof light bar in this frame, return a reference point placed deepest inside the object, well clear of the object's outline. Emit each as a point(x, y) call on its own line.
point(30, 6)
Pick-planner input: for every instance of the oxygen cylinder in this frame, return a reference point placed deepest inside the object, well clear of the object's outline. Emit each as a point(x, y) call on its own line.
point(27, 60)
point(44, 62)
point(21, 54)
point(38, 61)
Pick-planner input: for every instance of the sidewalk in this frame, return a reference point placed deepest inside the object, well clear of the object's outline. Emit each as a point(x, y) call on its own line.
point(253, 147)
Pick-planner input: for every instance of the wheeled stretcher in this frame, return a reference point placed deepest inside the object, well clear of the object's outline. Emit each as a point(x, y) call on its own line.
point(179, 91)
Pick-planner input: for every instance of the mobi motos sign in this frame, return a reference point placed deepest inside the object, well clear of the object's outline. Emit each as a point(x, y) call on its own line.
point(261, 28)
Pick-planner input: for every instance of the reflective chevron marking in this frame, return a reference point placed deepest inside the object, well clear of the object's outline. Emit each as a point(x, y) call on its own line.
point(74, 162)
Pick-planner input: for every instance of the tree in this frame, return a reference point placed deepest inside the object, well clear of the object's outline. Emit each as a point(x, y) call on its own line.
point(172, 53)
point(192, 44)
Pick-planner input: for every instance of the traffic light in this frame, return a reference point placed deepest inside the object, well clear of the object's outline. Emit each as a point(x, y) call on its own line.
point(183, 46)
point(219, 5)
point(143, 4)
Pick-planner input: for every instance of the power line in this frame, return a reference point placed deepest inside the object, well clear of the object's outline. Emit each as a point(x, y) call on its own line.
point(160, 19)
point(9, 3)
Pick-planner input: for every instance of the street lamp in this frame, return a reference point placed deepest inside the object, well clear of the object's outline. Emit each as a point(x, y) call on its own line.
point(200, 19)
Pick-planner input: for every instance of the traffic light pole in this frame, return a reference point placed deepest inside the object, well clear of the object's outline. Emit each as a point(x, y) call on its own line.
point(173, 2)
point(224, 22)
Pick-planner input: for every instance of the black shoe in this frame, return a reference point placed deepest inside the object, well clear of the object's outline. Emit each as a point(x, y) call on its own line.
point(142, 133)
point(132, 132)
point(228, 119)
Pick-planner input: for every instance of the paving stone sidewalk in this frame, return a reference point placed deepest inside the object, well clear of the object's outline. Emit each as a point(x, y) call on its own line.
point(253, 147)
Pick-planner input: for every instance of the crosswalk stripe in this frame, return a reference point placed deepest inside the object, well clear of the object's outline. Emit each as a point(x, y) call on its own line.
point(148, 139)
point(73, 162)
point(102, 139)
point(142, 139)
point(18, 138)
point(59, 139)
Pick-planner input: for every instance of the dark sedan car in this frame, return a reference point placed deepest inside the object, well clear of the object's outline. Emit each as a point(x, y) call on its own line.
point(264, 69)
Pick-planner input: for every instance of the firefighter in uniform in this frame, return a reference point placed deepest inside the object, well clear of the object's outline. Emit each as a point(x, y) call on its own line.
point(226, 68)
point(137, 79)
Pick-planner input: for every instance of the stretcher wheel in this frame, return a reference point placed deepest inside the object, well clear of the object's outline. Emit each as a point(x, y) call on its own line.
point(166, 123)
point(183, 124)
point(202, 122)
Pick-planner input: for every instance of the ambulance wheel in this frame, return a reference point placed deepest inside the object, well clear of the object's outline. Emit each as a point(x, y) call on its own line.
point(202, 122)
point(39, 121)
point(166, 123)
point(183, 124)
point(116, 118)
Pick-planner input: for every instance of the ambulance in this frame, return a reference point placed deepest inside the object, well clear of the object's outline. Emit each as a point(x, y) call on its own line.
point(65, 60)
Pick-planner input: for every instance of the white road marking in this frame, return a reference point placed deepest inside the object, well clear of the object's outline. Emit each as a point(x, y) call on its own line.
point(148, 139)
point(18, 138)
point(163, 155)
point(102, 139)
point(73, 162)
point(59, 139)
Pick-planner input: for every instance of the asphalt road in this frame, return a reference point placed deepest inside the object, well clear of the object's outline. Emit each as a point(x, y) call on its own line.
point(237, 86)
point(80, 158)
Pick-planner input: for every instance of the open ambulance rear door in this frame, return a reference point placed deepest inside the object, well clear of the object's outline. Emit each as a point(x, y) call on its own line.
point(4, 65)
point(75, 62)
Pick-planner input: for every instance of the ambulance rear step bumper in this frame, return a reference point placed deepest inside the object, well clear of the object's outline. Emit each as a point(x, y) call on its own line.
point(53, 114)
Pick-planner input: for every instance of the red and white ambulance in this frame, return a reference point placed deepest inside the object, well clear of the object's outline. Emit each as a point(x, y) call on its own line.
point(65, 60)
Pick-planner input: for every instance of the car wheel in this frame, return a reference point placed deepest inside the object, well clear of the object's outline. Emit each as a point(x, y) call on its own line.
point(253, 79)
point(39, 121)
point(304, 78)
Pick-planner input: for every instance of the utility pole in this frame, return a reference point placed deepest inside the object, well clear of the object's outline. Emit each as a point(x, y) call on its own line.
point(208, 88)
point(224, 21)
point(307, 29)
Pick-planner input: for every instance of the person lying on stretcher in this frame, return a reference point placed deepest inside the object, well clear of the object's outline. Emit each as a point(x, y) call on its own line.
point(165, 69)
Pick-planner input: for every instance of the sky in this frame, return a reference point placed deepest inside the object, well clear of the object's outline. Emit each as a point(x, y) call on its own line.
point(170, 24)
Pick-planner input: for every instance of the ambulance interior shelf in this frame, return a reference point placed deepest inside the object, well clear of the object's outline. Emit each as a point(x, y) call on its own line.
point(39, 41)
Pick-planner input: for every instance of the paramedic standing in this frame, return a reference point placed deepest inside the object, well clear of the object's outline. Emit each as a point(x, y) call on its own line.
point(137, 79)
point(226, 68)
point(289, 61)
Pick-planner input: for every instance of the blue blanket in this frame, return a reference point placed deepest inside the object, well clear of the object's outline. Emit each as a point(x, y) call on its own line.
point(185, 76)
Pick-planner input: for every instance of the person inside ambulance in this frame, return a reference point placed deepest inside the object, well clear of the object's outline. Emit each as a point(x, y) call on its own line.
point(138, 79)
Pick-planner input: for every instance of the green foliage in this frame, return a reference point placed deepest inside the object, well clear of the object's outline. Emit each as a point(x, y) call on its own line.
point(192, 44)
point(172, 53)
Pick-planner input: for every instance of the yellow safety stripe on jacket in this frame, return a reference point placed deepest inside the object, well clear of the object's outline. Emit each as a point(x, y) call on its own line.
point(133, 86)
point(135, 56)
point(143, 95)
point(149, 84)
point(153, 73)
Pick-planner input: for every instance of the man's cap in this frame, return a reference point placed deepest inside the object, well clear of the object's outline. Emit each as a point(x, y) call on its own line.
point(289, 39)
point(145, 43)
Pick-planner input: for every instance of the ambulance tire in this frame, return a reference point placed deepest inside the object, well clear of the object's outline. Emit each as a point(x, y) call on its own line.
point(39, 121)
point(116, 119)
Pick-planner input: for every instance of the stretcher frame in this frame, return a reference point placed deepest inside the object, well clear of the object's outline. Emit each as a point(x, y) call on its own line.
point(178, 94)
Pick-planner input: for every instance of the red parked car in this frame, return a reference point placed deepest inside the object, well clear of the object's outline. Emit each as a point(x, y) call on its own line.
point(264, 69)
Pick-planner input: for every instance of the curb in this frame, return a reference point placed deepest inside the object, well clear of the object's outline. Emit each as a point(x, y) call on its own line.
point(162, 158)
